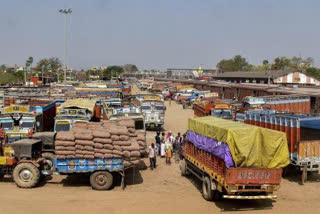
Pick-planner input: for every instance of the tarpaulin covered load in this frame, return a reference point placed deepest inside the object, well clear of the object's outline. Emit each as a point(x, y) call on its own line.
point(250, 146)
point(79, 103)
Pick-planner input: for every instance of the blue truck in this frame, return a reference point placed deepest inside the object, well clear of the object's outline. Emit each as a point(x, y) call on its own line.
point(101, 171)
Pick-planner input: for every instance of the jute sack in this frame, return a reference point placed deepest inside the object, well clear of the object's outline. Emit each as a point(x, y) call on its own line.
point(65, 136)
point(99, 134)
point(80, 136)
point(84, 142)
point(98, 145)
point(122, 143)
point(103, 140)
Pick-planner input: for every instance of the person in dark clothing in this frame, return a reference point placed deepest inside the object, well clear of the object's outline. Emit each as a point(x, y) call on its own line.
point(16, 122)
point(158, 142)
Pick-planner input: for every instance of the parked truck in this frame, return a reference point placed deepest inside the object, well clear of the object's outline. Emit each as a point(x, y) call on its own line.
point(303, 137)
point(295, 104)
point(214, 107)
point(22, 121)
point(229, 164)
point(77, 111)
point(154, 112)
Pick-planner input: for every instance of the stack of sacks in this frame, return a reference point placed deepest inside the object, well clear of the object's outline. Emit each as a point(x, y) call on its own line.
point(106, 139)
point(65, 145)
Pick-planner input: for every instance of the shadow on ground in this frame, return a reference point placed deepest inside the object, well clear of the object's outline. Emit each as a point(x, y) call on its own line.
point(233, 205)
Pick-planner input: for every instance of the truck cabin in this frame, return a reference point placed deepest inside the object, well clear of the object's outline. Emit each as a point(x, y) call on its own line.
point(67, 117)
point(253, 102)
point(222, 111)
point(154, 106)
point(112, 103)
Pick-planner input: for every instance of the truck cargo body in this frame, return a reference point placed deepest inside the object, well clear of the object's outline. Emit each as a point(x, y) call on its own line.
point(297, 104)
point(233, 183)
point(215, 108)
point(303, 136)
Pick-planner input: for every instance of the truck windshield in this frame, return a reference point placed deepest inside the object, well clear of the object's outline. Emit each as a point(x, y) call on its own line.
point(27, 125)
point(221, 113)
point(6, 125)
point(159, 108)
point(62, 127)
point(145, 108)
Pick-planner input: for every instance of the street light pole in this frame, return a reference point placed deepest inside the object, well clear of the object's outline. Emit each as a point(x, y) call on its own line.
point(65, 12)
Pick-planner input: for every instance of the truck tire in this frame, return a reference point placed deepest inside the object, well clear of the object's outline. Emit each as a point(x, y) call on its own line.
point(50, 161)
point(207, 192)
point(183, 167)
point(101, 180)
point(26, 175)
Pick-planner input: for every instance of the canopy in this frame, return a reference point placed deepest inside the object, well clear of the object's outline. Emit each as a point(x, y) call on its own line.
point(250, 146)
point(79, 103)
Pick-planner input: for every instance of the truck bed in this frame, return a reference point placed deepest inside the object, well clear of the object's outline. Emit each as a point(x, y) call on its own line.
point(234, 181)
point(78, 165)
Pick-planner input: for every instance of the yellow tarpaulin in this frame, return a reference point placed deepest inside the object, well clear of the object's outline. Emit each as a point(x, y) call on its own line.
point(79, 103)
point(250, 146)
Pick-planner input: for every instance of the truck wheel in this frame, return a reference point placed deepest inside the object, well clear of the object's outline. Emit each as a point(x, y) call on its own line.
point(207, 192)
point(26, 175)
point(50, 161)
point(183, 167)
point(101, 180)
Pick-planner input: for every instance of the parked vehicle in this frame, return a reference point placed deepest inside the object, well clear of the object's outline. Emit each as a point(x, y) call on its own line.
point(77, 111)
point(225, 172)
point(303, 136)
point(153, 111)
point(22, 121)
point(295, 104)
point(22, 160)
point(215, 107)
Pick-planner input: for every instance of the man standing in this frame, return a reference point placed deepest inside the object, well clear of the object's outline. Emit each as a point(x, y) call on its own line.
point(152, 156)
point(178, 147)
point(158, 143)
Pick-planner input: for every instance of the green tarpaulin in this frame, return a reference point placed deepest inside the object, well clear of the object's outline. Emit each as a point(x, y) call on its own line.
point(250, 146)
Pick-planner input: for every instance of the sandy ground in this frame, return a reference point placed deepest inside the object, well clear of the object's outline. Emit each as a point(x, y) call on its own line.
point(162, 190)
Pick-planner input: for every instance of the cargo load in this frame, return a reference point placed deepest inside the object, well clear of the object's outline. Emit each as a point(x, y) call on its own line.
point(107, 139)
point(250, 146)
point(233, 160)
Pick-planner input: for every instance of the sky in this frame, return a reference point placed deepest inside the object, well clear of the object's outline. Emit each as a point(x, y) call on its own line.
point(159, 34)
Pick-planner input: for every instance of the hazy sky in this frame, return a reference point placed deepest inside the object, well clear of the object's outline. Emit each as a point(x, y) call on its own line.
point(159, 34)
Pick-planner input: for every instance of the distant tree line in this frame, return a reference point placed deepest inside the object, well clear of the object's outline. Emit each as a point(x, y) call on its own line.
point(239, 63)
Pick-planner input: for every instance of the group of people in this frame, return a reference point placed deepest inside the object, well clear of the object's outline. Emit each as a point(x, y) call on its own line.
point(165, 146)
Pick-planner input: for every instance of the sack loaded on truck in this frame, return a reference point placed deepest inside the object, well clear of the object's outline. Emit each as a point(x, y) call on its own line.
point(234, 160)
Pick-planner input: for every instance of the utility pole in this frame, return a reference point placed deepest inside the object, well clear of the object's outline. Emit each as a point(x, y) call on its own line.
point(42, 70)
point(65, 12)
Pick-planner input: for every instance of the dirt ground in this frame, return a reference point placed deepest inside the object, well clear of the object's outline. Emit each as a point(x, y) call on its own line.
point(162, 190)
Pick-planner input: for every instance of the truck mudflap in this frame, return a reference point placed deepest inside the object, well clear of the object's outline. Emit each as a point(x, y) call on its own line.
point(257, 197)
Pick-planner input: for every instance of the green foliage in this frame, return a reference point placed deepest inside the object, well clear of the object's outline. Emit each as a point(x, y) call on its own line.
point(6, 78)
point(313, 72)
point(130, 68)
point(112, 71)
point(237, 63)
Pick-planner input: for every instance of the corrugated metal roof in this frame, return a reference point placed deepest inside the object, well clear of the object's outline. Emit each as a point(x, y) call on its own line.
point(253, 74)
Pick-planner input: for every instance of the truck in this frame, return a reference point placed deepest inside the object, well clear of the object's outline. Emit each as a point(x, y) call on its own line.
point(215, 107)
point(303, 137)
point(294, 104)
point(22, 160)
point(112, 104)
point(154, 112)
point(198, 95)
point(77, 111)
point(209, 153)
point(22, 121)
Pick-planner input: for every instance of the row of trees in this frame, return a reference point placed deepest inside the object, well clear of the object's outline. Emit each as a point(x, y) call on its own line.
point(239, 63)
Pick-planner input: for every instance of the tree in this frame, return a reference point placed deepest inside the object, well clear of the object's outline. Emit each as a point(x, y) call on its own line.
point(129, 68)
point(52, 64)
point(237, 63)
point(313, 72)
point(112, 71)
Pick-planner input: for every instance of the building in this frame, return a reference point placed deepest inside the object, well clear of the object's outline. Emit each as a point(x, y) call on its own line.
point(276, 77)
